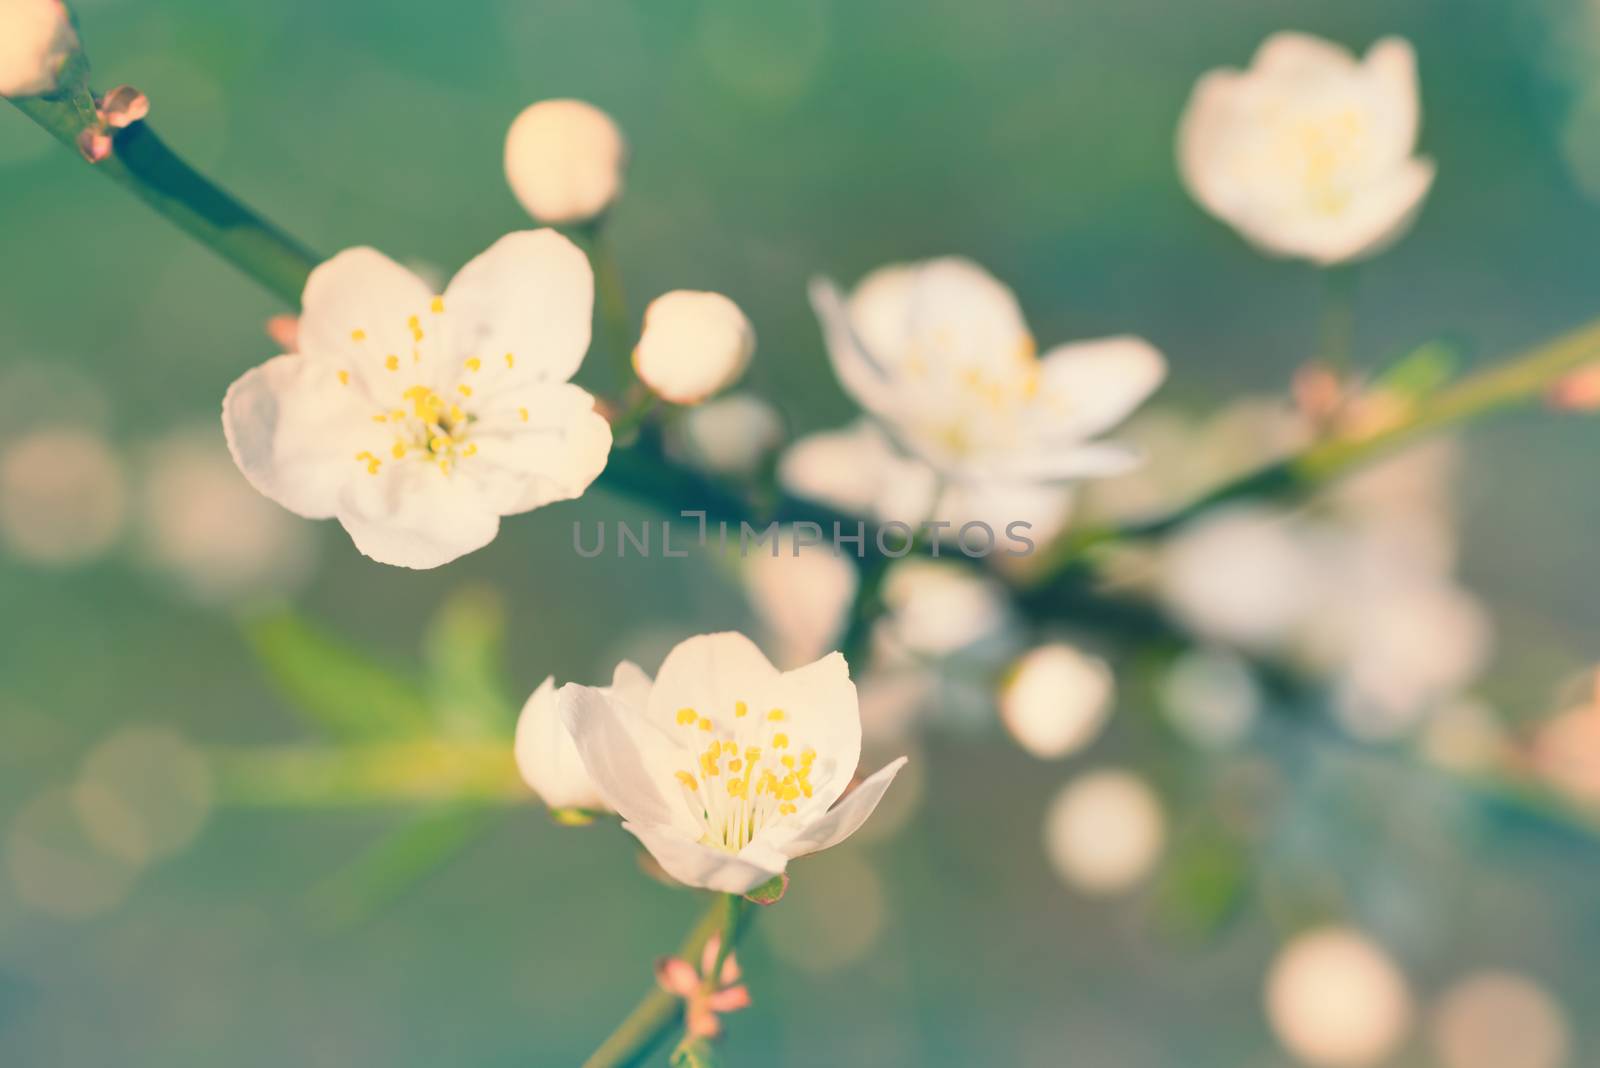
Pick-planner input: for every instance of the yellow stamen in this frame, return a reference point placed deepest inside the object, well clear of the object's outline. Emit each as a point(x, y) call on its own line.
point(392, 362)
point(474, 364)
point(438, 305)
point(344, 378)
point(511, 360)
point(358, 335)
point(687, 716)
point(776, 715)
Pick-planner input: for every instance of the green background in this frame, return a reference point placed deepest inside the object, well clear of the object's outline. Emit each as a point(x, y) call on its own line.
point(772, 141)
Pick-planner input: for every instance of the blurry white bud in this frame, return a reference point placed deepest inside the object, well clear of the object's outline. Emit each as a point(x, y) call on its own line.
point(1104, 832)
point(1336, 1000)
point(693, 345)
point(1055, 700)
point(731, 435)
point(564, 160)
point(36, 39)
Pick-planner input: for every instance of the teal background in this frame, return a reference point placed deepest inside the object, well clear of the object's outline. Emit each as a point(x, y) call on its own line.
point(771, 142)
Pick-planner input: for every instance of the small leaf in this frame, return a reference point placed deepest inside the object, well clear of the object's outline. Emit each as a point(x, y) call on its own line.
point(464, 653)
point(694, 1053)
point(573, 817)
point(335, 686)
point(771, 891)
point(1420, 372)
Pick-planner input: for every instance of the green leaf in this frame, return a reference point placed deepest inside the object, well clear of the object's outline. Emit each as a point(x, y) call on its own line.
point(1420, 372)
point(769, 892)
point(1205, 881)
point(464, 654)
point(694, 1053)
point(335, 686)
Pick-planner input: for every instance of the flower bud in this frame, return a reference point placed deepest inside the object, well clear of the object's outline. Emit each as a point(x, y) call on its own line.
point(564, 160)
point(36, 39)
point(693, 345)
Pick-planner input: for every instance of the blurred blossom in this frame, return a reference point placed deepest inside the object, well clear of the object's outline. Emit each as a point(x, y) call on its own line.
point(829, 923)
point(1566, 752)
point(693, 345)
point(1055, 700)
point(144, 793)
point(1309, 153)
point(939, 355)
point(1499, 1020)
point(419, 427)
point(565, 160)
point(1240, 575)
point(858, 470)
point(713, 771)
point(36, 40)
point(57, 866)
point(1104, 832)
point(63, 496)
point(203, 524)
point(730, 435)
point(1336, 1000)
point(802, 596)
point(547, 756)
point(711, 989)
point(1211, 698)
point(935, 608)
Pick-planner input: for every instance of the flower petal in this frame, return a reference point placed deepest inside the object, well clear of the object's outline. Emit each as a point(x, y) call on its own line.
point(694, 864)
point(358, 309)
point(1090, 386)
point(293, 429)
point(530, 295)
point(677, 976)
point(868, 379)
point(847, 816)
point(554, 454)
point(1391, 68)
point(1301, 55)
point(821, 710)
point(547, 756)
point(712, 674)
point(413, 515)
point(731, 999)
point(628, 760)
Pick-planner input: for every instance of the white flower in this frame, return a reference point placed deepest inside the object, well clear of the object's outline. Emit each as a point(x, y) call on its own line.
point(1336, 1000)
point(731, 435)
point(1055, 700)
point(939, 355)
point(36, 39)
point(417, 420)
point(564, 160)
point(1309, 153)
point(693, 345)
point(546, 755)
point(730, 768)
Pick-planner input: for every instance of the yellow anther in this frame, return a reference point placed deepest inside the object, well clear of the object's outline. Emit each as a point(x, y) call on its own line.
point(741, 709)
point(444, 466)
point(687, 716)
point(416, 327)
point(752, 753)
point(470, 450)
point(437, 306)
point(787, 810)
point(688, 780)
point(344, 378)
point(466, 390)
point(372, 462)
point(399, 450)
point(780, 741)
point(511, 361)
point(456, 414)
point(392, 362)
point(730, 747)
point(380, 418)
point(439, 443)
point(776, 715)
point(358, 335)
point(474, 364)
point(705, 724)
point(523, 412)
point(735, 764)
point(397, 414)
point(788, 761)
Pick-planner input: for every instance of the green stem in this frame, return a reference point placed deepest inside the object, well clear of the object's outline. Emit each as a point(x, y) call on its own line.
point(658, 1012)
point(610, 300)
point(141, 162)
point(1336, 340)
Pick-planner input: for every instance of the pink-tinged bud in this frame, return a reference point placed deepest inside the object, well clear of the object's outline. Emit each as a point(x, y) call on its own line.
point(1578, 391)
point(285, 330)
point(94, 144)
point(707, 990)
point(1319, 391)
point(123, 106)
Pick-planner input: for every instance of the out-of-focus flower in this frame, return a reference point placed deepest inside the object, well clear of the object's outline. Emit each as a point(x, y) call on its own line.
point(36, 40)
point(1055, 700)
point(144, 793)
point(710, 990)
point(730, 435)
point(1578, 391)
point(1566, 749)
point(939, 355)
point(1104, 832)
point(1499, 1020)
point(1210, 696)
point(565, 160)
point(418, 427)
point(63, 496)
point(1336, 1000)
point(802, 595)
point(548, 758)
point(1309, 153)
point(203, 524)
point(57, 866)
point(936, 608)
point(693, 345)
point(730, 768)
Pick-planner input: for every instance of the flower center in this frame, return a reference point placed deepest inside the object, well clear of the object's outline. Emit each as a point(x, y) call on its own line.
point(742, 782)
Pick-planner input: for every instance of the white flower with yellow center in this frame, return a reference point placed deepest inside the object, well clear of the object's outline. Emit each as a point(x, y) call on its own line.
point(1309, 153)
point(419, 420)
point(729, 768)
point(976, 426)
